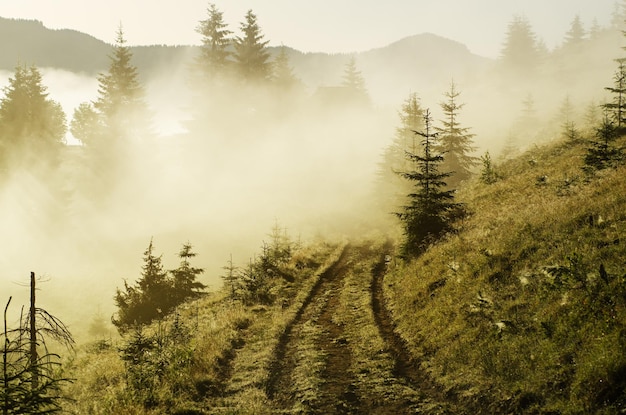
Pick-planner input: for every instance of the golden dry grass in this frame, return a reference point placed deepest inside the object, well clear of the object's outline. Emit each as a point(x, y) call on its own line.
point(231, 347)
point(486, 316)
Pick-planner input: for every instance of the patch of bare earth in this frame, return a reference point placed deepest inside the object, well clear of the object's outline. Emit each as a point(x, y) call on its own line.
point(406, 366)
point(334, 393)
point(315, 370)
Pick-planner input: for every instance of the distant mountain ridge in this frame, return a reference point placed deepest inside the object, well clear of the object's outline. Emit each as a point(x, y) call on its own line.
point(420, 61)
point(30, 42)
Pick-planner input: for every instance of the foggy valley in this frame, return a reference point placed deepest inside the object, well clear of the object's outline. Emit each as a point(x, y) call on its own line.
point(169, 145)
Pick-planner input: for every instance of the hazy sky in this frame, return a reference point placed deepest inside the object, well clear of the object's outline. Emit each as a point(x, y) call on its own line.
point(317, 25)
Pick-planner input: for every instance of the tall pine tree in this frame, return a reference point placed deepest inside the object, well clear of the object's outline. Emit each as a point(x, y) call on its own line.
point(617, 106)
point(120, 104)
point(575, 35)
point(391, 190)
point(251, 55)
point(119, 114)
point(430, 210)
point(115, 126)
point(214, 60)
point(521, 52)
point(354, 82)
point(32, 126)
point(283, 75)
point(455, 142)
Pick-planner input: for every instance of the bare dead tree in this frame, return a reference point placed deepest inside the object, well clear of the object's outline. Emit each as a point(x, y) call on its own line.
point(30, 372)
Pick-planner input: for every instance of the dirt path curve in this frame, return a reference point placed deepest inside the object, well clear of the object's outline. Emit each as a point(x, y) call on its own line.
point(335, 394)
point(405, 365)
point(314, 371)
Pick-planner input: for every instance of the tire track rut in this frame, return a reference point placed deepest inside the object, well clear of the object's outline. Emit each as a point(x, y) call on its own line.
point(335, 392)
point(317, 331)
point(406, 366)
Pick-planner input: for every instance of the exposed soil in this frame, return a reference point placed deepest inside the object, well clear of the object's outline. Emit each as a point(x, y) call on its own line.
point(337, 395)
point(339, 391)
point(406, 366)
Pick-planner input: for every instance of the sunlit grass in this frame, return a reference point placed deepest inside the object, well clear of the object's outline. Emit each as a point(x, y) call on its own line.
point(523, 309)
point(373, 362)
point(246, 388)
point(232, 347)
point(482, 310)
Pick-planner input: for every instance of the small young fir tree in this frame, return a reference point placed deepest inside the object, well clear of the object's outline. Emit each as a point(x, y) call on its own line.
point(488, 174)
point(185, 285)
point(602, 153)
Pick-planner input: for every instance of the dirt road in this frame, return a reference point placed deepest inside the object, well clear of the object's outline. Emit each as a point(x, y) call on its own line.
point(326, 362)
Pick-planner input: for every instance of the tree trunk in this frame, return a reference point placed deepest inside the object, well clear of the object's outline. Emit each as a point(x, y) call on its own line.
point(5, 375)
point(33, 335)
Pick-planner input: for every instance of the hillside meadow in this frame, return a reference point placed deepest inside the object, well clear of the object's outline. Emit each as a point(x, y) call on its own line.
point(522, 310)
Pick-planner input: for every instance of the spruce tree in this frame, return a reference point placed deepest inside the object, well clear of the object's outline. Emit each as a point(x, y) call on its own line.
point(525, 126)
point(618, 15)
point(354, 82)
point(430, 209)
point(603, 153)
point(32, 126)
point(592, 114)
point(617, 107)
point(455, 141)
point(113, 126)
point(232, 280)
point(391, 189)
point(184, 278)
point(575, 35)
point(283, 75)
point(488, 174)
point(567, 116)
point(148, 299)
point(120, 104)
point(214, 59)
point(214, 99)
point(529, 111)
point(154, 283)
point(521, 52)
point(251, 55)
point(286, 87)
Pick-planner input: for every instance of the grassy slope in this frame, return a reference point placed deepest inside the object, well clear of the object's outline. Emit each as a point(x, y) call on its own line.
point(511, 314)
point(225, 358)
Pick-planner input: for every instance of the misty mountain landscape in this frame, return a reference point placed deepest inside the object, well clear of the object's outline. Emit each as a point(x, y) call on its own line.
point(238, 228)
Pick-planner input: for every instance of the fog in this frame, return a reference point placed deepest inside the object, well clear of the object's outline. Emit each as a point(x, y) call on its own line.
point(309, 166)
point(308, 174)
